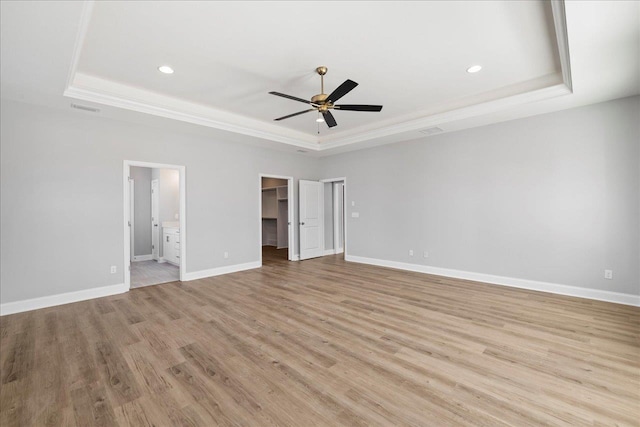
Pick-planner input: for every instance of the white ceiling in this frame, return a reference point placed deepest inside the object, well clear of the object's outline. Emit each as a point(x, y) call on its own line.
point(409, 56)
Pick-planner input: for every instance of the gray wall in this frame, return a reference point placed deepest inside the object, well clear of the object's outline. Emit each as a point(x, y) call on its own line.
point(553, 198)
point(169, 193)
point(61, 196)
point(142, 210)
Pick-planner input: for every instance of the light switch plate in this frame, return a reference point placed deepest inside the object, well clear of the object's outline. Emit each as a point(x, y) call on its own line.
point(355, 214)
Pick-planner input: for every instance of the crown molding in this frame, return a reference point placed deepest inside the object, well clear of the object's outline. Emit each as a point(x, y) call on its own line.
point(83, 27)
point(193, 113)
point(94, 89)
point(452, 116)
point(562, 38)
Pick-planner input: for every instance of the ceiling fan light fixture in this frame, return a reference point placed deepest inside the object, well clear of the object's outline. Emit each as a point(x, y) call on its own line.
point(323, 103)
point(474, 69)
point(165, 69)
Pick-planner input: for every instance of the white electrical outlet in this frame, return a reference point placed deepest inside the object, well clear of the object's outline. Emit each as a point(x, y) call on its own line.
point(353, 203)
point(410, 252)
point(425, 254)
point(608, 274)
point(226, 255)
point(113, 269)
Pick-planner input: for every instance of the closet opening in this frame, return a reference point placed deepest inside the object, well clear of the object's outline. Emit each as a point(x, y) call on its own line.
point(276, 219)
point(334, 216)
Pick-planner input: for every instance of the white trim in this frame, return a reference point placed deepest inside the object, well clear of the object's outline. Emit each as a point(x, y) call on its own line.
point(183, 214)
point(336, 217)
point(562, 39)
point(132, 217)
point(342, 179)
point(329, 252)
point(83, 27)
point(102, 91)
point(290, 213)
point(155, 252)
point(218, 119)
point(476, 110)
point(138, 258)
point(554, 288)
point(161, 260)
point(60, 299)
point(195, 275)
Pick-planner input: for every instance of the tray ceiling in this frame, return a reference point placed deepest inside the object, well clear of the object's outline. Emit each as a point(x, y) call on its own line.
point(409, 56)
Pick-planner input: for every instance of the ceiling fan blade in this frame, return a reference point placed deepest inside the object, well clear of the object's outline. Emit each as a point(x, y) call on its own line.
point(357, 107)
point(342, 90)
point(329, 119)
point(295, 98)
point(295, 114)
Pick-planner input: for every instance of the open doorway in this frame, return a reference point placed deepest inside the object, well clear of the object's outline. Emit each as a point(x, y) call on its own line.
point(322, 221)
point(154, 224)
point(334, 216)
point(276, 213)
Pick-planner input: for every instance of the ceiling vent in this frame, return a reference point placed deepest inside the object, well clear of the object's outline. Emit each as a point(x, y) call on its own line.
point(431, 131)
point(85, 108)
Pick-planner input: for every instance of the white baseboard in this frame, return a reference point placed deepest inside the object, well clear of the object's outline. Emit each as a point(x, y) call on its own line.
point(574, 291)
point(194, 275)
point(161, 260)
point(329, 252)
point(60, 299)
point(339, 251)
point(137, 258)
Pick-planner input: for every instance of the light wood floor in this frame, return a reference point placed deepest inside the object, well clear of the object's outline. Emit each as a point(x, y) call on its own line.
point(323, 342)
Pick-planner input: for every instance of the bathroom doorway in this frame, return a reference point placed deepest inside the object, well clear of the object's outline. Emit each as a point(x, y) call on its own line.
point(154, 224)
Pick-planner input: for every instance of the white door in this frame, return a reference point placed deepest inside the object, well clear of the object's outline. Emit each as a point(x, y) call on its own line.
point(155, 223)
point(311, 219)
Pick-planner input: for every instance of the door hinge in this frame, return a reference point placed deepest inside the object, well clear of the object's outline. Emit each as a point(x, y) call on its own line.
point(153, 247)
point(129, 223)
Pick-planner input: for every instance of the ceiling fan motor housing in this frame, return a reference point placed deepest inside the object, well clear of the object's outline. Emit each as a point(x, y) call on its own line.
point(319, 99)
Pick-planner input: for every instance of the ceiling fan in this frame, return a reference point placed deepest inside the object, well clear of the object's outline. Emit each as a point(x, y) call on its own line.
point(323, 102)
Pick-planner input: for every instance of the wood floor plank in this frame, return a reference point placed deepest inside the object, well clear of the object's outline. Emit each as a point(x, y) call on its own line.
point(322, 342)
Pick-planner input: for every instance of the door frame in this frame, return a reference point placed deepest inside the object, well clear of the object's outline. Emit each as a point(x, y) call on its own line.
point(290, 213)
point(344, 212)
point(336, 217)
point(132, 237)
point(126, 173)
point(155, 251)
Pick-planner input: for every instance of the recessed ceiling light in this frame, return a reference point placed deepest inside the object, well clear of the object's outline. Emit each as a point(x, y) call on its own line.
point(474, 69)
point(165, 69)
